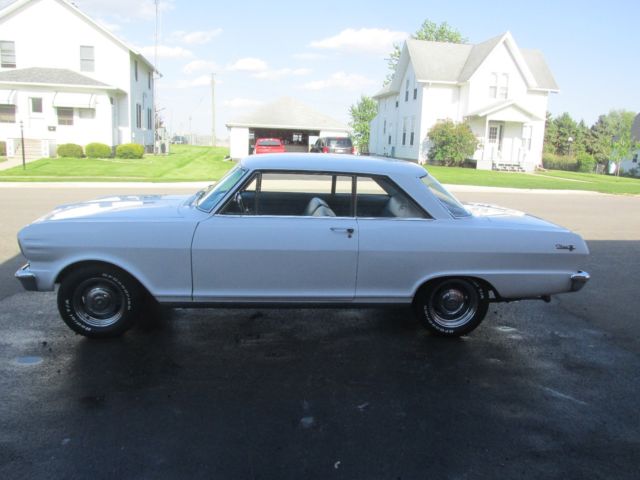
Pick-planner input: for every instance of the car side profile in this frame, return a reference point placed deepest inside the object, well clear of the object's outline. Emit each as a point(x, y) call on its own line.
point(298, 229)
point(342, 145)
point(269, 145)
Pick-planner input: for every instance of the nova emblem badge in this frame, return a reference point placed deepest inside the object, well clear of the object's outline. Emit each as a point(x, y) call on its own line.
point(571, 248)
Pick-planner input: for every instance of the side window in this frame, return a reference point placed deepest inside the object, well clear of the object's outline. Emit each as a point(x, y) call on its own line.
point(293, 194)
point(378, 197)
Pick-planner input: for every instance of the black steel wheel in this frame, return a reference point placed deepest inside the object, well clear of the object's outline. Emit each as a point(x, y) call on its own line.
point(452, 306)
point(99, 301)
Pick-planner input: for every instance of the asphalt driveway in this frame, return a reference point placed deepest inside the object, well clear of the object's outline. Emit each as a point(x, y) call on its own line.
point(538, 391)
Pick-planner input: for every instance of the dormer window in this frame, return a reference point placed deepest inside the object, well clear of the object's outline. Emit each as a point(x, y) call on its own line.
point(7, 54)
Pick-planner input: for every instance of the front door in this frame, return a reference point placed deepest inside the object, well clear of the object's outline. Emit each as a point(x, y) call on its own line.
point(495, 141)
point(283, 237)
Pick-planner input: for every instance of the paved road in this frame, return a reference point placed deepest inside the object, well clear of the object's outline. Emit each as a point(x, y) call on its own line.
point(539, 390)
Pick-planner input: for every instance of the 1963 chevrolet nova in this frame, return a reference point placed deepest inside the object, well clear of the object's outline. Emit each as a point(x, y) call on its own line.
point(301, 229)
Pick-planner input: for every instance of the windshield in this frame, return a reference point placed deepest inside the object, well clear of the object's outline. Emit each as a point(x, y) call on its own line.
point(339, 142)
point(450, 202)
point(269, 143)
point(212, 196)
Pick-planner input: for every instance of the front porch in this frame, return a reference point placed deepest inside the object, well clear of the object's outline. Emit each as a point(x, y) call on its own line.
point(505, 137)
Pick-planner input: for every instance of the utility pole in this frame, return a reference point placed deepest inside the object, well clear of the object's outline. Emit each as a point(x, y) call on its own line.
point(153, 85)
point(24, 163)
point(213, 109)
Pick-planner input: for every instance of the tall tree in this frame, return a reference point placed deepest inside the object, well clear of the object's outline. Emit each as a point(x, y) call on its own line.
point(610, 137)
point(567, 129)
point(429, 30)
point(361, 115)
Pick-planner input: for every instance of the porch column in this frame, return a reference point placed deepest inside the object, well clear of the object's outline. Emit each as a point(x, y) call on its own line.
point(485, 163)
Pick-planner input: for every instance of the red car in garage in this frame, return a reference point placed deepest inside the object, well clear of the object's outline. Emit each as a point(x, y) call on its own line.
point(269, 145)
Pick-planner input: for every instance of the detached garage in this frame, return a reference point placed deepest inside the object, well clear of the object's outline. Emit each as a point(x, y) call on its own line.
point(297, 124)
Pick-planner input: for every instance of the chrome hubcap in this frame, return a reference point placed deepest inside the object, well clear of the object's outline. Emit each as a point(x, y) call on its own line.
point(453, 304)
point(99, 302)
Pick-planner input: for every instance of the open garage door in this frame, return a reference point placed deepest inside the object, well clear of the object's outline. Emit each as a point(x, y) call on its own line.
point(294, 140)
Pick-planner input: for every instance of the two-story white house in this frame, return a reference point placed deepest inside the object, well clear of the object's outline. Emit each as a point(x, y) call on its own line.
point(66, 79)
point(499, 89)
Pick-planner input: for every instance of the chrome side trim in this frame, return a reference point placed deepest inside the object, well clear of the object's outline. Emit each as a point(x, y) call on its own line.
point(578, 280)
point(27, 278)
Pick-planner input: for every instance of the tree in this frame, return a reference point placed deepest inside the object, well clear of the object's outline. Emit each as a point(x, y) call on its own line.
point(428, 31)
point(623, 145)
point(610, 137)
point(361, 115)
point(567, 132)
point(451, 143)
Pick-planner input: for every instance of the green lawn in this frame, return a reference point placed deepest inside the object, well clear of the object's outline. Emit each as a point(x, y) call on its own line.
point(553, 180)
point(190, 163)
point(184, 163)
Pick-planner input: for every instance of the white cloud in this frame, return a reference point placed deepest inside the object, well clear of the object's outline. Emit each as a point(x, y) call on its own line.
point(201, 81)
point(283, 72)
point(341, 80)
point(242, 103)
point(165, 51)
point(249, 65)
point(369, 40)
point(195, 38)
point(199, 66)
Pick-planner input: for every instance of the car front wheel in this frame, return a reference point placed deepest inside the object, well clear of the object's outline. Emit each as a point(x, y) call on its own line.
point(452, 307)
point(99, 301)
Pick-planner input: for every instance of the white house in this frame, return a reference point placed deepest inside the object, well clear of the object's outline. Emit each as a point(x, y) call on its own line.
point(500, 89)
point(67, 79)
point(297, 124)
point(632, 165)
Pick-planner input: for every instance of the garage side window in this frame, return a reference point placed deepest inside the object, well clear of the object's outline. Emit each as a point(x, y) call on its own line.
point(378, 197)
point(293, 194)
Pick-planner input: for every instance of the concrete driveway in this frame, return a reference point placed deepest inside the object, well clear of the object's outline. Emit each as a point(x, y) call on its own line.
point(538, 391)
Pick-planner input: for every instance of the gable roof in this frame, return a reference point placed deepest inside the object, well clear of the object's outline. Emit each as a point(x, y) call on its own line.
point(288, 113)
point(19, 4)
point(502, 105)
point(49, 76)
point(455, 63)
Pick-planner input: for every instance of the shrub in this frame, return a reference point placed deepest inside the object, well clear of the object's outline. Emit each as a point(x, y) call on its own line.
point(3, 149)
point(451, 143)
point(129, 150)
point(551, 161)
point(98, 150)
point(586, 163)
point(70, 150)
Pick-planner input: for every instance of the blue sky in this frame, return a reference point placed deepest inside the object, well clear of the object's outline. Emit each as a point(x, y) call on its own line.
point(330, 54)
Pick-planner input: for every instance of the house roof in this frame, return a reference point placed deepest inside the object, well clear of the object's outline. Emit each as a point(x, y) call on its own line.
point(49, 76)
point(288, 113)
point(455, 63)
point(18, 4)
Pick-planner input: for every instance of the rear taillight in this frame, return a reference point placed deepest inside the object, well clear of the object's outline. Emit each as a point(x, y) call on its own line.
point(325, 149)
point(353, 150)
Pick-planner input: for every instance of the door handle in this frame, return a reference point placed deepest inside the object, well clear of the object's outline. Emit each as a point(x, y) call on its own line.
point(348, 231)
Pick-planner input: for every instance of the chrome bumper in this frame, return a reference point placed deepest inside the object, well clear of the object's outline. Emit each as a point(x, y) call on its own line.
point(27, 278)
point(578, 280)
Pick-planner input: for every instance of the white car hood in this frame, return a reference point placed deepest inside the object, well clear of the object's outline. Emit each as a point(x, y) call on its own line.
point(121, 207)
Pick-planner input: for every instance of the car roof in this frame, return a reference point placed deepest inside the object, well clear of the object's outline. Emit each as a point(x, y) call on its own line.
point(331, 163)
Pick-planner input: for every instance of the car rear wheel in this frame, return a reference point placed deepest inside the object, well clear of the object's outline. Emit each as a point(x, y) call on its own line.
point(99, 301)
point(452, 307)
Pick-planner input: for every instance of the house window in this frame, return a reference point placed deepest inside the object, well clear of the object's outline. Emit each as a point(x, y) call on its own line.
point(149, 80)
point(384, 127)
point(389, 141)
point(526, 137)
point(149, 119)
point(65, 115)
point(7, 54)
point(36, 104)
point(7, 114)
point(503, 89)
point(87, 113)
point(493, 86)
point(415, 93)
point(406, 92)
point(87, 59)
point(404, 131)
point(396, 103)
point(493, 134)
point(413, 127)
point(635, 158)
point(138, 115)
point(135, 69)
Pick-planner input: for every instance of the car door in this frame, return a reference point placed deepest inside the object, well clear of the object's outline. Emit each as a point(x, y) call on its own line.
point(271, 252)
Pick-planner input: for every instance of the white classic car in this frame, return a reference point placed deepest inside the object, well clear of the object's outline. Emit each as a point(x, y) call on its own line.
point(303, 229)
